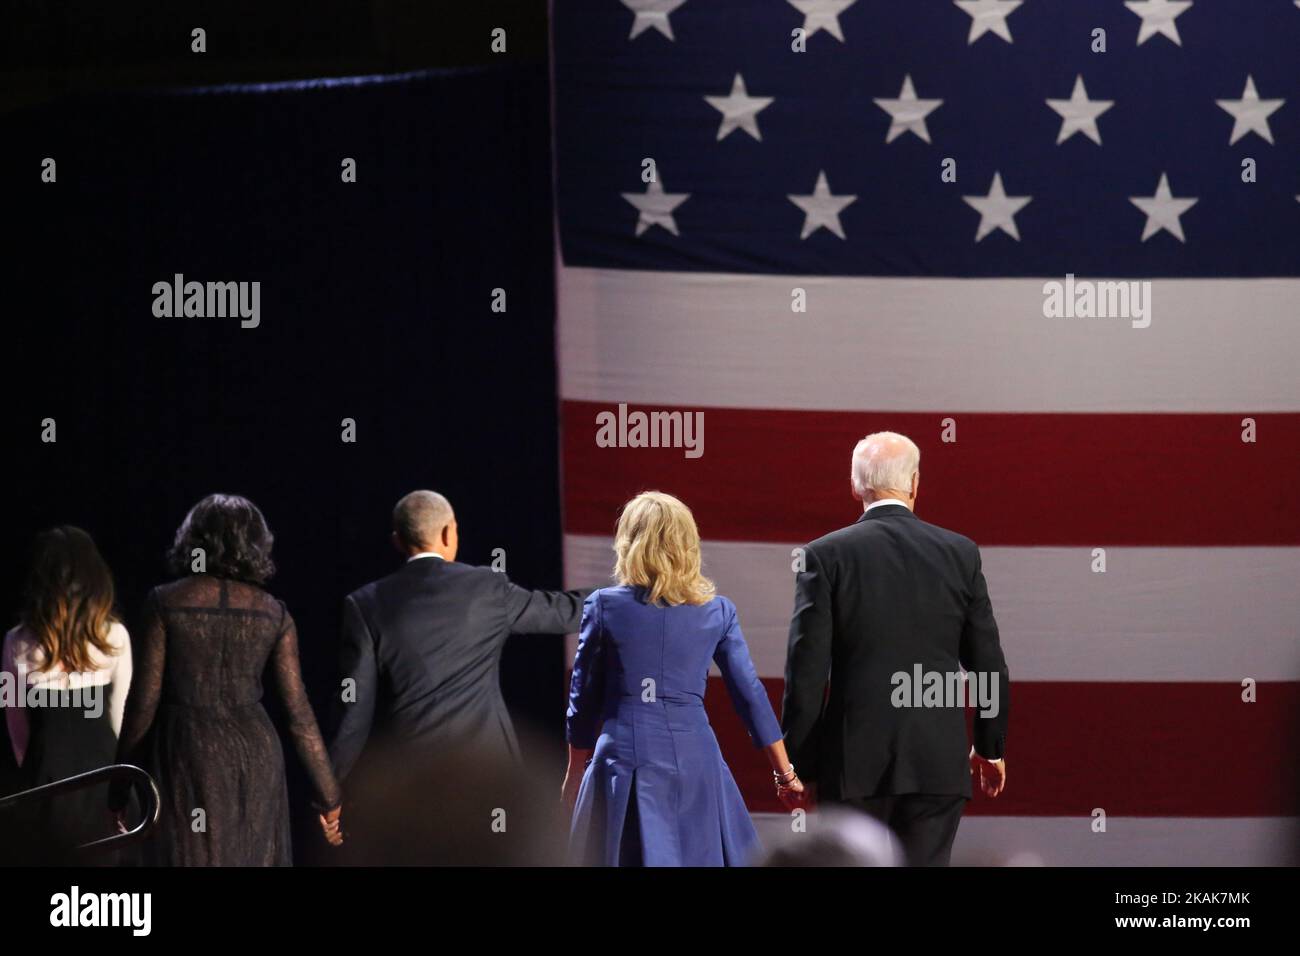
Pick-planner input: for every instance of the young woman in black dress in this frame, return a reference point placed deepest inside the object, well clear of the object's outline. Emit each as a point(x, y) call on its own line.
point(69, 664)
point(194, 717)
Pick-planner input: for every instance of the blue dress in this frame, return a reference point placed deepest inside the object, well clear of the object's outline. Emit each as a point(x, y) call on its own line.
point(657, 791)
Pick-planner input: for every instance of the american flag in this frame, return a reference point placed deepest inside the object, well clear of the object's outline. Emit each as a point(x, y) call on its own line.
point(815, 219)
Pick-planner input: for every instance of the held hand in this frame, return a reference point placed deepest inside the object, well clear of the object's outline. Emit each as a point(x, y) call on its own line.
point(118, 818)
point(569, 790)
point(579, 760)
point(331, 827)
point(790, 790)
point(992, 774)
point(794, 795)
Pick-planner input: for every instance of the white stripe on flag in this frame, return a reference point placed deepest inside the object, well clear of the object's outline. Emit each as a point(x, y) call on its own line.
point(908, 344)
point(1156, 614)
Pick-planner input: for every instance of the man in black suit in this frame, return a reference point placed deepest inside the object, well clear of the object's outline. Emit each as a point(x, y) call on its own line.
point(887, 609)
point(422, 649)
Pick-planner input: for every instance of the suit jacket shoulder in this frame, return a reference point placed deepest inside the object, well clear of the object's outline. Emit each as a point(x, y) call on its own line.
point(954, 538)
point(411, 577)
point(854, 534)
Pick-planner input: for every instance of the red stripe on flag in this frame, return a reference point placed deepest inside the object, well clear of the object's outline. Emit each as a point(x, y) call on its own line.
point(1009, 479)
point(1132, 749)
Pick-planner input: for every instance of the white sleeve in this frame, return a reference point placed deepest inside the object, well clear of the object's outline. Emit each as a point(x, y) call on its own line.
point(15, 710)
point(121, 680)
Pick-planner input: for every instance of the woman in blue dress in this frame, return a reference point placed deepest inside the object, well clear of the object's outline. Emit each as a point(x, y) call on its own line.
point(655, 790)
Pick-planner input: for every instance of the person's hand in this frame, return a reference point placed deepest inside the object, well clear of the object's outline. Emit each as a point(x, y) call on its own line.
point(794, 794)
point(119, 820)
point(331, 827)
point(790, 790)
point(992, 774)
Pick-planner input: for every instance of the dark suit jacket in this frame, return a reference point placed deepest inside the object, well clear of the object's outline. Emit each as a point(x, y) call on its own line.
point(424, 648)
point(878, 598)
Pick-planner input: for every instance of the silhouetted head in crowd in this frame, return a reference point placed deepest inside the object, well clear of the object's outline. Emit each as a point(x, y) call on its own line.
point(423, 523)
point(835, 836)
point(458, 806)
point(225, 536)
point(68, 606)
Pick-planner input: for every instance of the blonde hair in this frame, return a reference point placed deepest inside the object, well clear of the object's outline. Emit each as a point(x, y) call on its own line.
point(658, 548)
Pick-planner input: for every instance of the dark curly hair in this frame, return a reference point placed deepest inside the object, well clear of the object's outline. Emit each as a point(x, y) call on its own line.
point(235, 539)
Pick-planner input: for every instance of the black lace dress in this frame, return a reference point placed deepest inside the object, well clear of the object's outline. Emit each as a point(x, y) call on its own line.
point(194, 720)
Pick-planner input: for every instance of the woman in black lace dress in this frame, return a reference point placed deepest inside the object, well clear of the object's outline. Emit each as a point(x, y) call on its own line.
point(194, 717)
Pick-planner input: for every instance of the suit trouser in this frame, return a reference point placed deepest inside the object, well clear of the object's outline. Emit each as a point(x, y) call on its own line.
point(925, 823)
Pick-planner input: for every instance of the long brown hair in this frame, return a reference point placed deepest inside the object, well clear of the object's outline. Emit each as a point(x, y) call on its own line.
point(69, 602)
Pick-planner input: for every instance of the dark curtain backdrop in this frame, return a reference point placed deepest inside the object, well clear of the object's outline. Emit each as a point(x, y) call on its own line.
point(376, 306)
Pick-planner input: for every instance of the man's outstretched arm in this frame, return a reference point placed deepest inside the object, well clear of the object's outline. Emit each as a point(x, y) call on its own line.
point(543, 612)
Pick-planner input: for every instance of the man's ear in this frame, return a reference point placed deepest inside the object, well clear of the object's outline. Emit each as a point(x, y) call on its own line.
point(446, 532)
point(853, 490)
point(397, 542)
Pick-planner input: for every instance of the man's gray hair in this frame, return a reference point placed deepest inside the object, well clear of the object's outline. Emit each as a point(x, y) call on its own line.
point(885, 461)
point(418, 519)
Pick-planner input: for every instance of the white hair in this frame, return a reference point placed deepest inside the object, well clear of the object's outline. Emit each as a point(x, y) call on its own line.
point(884, 461)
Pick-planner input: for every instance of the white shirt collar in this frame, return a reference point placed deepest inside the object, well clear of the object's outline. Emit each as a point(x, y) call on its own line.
point(887, 501)
point(425, 554)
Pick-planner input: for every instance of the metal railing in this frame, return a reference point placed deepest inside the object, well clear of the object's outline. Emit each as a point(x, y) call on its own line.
point(144, 786)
